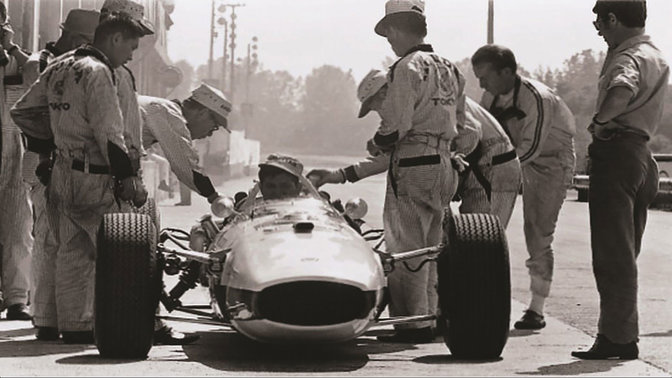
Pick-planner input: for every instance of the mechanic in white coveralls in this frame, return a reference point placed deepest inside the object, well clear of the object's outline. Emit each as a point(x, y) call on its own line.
point(496, 160)
point(92, 168)
point(420, 114)
point(15, 237)
point(542, 129)
point(78, 29)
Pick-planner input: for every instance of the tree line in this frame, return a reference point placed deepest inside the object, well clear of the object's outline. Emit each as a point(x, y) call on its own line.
point(317, 114)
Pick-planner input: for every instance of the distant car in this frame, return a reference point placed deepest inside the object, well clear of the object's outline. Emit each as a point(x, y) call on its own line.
point(297, 270)
point(581, 182)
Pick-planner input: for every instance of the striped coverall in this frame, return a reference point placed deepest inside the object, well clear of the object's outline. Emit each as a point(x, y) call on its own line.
point(492, 181)
point(542, 128)
point(74, 106)
point(16, 240)
point(419, 118)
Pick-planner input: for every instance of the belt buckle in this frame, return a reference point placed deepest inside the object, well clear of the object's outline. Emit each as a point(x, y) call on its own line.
point(86, 165)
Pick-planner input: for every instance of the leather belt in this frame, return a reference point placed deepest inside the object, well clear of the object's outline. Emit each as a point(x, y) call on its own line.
point(79, 165)
point(503, 158)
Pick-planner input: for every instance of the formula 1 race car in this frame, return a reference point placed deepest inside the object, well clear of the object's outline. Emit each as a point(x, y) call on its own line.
point(297, 270)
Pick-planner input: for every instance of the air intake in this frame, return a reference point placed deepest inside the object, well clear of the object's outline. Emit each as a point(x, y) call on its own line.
point(314, 303)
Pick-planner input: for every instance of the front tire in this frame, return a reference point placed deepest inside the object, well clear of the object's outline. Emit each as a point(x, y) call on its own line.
point(128, 284)
point(475, 286)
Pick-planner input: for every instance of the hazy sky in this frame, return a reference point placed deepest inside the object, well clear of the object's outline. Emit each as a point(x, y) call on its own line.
point(299, 35)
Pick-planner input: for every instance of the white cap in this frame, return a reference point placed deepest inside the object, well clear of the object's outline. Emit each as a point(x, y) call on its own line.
point(373, 82)
point(134, 10)
point(399, 6)
point(214, 100)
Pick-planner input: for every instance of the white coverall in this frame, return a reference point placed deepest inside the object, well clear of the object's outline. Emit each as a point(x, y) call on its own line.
point(493, 188)
point(78, 91)
point(542, 129)
point(419, 118)
point(16, 240)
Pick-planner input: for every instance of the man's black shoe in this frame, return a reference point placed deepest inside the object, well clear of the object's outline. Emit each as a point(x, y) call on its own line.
point(77, 337)
point(18, 312)
point(47, 333)
point(168, 336)
point(412, 335)
point(530, 320)
point(604, 349)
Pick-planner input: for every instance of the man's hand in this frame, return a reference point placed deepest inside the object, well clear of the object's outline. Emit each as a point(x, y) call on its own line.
point(125, 189)
point(141, 194)
point(222, 206)
point(373, 149)
point(319, 177)
point(458, 162)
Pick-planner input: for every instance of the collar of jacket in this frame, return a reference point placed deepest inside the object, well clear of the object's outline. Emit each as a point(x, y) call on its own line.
point(88, 50)
point(421, 47)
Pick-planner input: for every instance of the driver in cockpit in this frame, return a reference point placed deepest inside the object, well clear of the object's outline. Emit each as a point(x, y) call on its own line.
point(279, 177)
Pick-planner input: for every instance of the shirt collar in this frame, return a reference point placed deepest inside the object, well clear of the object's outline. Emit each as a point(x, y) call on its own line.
point(630, 42)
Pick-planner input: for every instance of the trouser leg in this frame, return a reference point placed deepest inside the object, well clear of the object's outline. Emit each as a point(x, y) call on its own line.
point(622, 185)
point(43, 263)
point(544, 191)
point(17, 243)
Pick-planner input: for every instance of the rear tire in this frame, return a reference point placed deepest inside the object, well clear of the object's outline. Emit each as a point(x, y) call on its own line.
point(128, 284)
point(475, 286)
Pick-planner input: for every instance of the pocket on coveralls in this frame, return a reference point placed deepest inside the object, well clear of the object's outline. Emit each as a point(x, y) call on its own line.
point(418, 175)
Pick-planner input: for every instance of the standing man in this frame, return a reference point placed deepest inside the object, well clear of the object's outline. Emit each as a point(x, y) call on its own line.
point(85, 124)
point(16, 240)
point(78, 29)
point(420, 114)
point(623, 175)
point(542, 128)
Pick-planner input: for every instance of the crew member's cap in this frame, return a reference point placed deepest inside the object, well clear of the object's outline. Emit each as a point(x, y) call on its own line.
point(399, 6)
point(284, 162)
point(214, 100)
point(81, 21)
point(134, 10)
point(372, 83)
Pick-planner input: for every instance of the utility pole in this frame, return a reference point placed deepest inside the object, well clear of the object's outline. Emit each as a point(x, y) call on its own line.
point(232, 83)
point(491, 21)
point(212, 37)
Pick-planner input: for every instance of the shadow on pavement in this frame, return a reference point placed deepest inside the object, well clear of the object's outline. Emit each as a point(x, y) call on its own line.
point(522, 332)
point(655, 334)
point(230, 351)
point(17, 333)
point(575, 368)
point(34, 348)
point(449, 359)
point(95, 359)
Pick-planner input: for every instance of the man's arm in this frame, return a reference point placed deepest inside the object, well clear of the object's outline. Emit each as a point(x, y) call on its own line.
point(105, 118)
point(169, 128)
point(31, 115)
point(398, 107)
point(537, 123)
